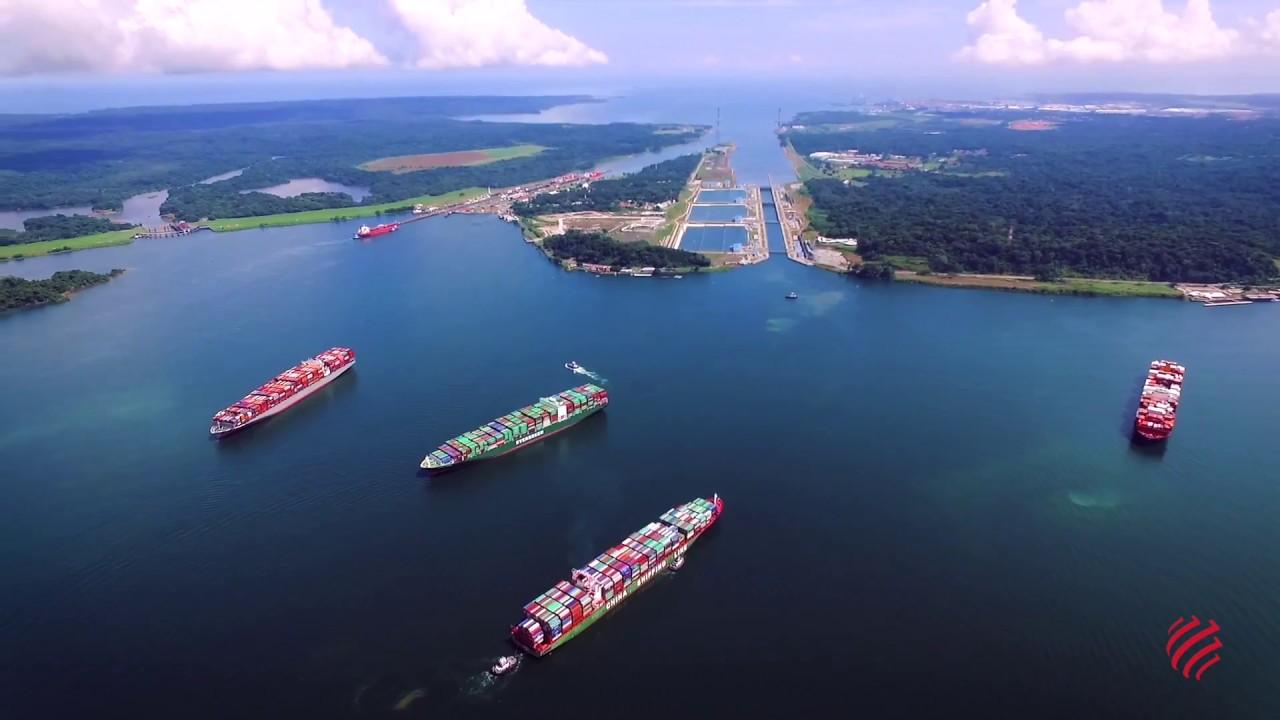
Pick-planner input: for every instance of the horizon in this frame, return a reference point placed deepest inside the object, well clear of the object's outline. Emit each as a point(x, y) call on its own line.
point(138, 54)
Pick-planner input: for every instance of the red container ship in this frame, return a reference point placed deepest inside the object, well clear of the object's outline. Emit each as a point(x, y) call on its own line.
point(558, 615)
point(1158, 406)
point(284, 390)
point(367, 232)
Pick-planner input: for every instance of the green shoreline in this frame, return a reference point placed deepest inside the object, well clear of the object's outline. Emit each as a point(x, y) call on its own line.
point(1089, 287)
point(306, 217)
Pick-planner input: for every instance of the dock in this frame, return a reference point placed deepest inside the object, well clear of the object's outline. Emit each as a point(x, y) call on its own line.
point(797, 249)
point(167, 231)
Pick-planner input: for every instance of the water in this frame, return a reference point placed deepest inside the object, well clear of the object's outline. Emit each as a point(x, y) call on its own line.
point(298, 186)
point(722, 196)
point(221, 176)
point(933, 509)
point(718, 213)
point(141, 209)
point(716, 238)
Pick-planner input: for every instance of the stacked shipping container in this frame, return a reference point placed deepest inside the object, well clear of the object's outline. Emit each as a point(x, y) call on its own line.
point(504, 434)
point(286, 385)
point(569, 607)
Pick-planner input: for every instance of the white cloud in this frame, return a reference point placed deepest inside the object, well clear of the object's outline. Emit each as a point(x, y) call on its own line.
point(175, 36)
point(474, 33)
point(1104, 31)
point(1003, 36)
point(1271, 29)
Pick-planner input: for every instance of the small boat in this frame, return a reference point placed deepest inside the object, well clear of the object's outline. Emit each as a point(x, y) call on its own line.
point(505, 664)
point(571, 365)
point(792, 295)
point(678, 277)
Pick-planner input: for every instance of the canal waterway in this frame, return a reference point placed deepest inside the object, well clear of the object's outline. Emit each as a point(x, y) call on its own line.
point(141, 209)
point(933, 507)
point(298, 186)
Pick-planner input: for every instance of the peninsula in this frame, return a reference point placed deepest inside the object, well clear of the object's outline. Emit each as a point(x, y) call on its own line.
point(17, 293)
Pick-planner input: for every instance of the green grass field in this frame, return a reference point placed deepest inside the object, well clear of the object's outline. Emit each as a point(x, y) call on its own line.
point(1066, 286)
point(853, 173)
point(908, 262)
point(344, 213)
point(84, 242)
point(673, 214)
point(458, 158)
point(515, 151)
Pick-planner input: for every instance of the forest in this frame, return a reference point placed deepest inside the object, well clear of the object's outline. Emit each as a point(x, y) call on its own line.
point(18, 292)
point(58, 227)
point(1152, 198)
point(600, 249)
point(661, 182)
point(101, 158)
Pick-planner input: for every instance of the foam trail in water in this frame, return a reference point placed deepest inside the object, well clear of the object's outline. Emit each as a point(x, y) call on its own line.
point(593, 376)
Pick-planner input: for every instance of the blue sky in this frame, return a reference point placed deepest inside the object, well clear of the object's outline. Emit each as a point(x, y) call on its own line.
point(936, 47)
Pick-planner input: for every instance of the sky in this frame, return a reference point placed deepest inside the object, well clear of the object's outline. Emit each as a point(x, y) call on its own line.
point(978, 48)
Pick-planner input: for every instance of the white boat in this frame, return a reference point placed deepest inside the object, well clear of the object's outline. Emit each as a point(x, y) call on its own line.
point(505, 664)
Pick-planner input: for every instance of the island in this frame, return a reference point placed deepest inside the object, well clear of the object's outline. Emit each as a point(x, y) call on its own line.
point(17, 293)
point(1058, 201)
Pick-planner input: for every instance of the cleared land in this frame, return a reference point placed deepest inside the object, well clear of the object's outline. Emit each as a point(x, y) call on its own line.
point(84, 242)
point(342, 213)
point(717, 167)
point(1066, 286)
point(400, 164)
point(1033, 125)
point(628, 228)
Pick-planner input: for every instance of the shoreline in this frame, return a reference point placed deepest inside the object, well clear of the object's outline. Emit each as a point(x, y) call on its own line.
point(113, 238)
point(1084, 287)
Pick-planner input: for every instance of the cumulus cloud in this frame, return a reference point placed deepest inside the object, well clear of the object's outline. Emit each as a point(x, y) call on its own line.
point(175, 36)
point(1271, 29)
point(1102, 31)
point(474, 33)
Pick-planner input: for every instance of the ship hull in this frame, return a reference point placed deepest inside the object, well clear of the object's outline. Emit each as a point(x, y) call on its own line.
point(1149, 438)
point(530, 439)
point(304, 394)
point(612, 604)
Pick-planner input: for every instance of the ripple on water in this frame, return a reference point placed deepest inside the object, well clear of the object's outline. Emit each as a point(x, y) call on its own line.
point(1095, 500)
point(779, 324)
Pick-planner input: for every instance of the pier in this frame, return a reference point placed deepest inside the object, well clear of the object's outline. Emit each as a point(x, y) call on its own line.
point(797, 248)
point(171, 230)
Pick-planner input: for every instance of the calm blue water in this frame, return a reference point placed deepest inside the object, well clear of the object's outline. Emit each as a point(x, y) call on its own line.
point(716, 238)
point(298, 186)
point(933, 507)
point(772, 224)
point(721, 196)
point(718, 213)
point(141, 209)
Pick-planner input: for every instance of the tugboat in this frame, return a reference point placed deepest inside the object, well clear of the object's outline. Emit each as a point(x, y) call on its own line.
point(505, 664)
point(571, 365)
point(792, 295)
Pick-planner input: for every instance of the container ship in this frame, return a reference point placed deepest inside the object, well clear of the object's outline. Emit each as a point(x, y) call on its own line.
point(1158, 406)
point(519, 429)
point(284, 390)
point(367, 232)
point(559, 614)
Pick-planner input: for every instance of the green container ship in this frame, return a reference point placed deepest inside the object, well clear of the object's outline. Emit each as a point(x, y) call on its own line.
point(519, 429)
